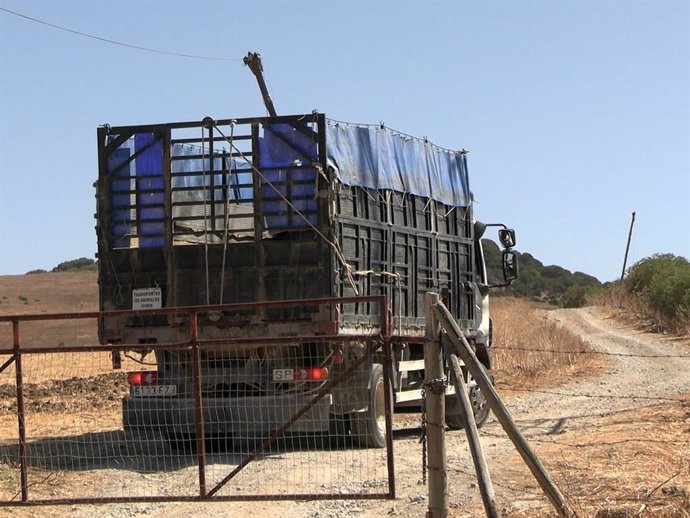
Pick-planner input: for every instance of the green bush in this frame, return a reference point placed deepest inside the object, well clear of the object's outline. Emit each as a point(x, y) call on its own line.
point(664, 281)
point(575, 297)
point(76, 265)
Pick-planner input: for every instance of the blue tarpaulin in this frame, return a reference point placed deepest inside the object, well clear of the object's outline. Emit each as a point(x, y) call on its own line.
point(380, 158)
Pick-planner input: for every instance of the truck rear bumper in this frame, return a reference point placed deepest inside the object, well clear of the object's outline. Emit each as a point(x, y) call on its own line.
point(237, 417)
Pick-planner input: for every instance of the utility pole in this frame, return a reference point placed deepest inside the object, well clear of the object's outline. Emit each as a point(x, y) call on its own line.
point(627, 248)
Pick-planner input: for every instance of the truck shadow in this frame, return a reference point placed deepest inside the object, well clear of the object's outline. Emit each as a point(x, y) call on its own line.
point(150, 451)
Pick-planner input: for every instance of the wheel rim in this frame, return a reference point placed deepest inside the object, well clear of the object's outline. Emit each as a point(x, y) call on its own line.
point(476, 397)
point(380, 407)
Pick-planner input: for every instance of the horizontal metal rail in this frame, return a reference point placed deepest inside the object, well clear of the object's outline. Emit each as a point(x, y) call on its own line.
point(192, 312)
point(197, 344)
point(324, 301)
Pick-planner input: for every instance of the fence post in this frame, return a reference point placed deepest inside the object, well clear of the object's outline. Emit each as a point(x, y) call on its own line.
point(435, 411)
point(21, 413)
point(501, 412)
point(198, 403)
point(483, 477)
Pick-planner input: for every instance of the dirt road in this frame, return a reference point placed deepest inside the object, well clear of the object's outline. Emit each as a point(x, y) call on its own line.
point(646, 371)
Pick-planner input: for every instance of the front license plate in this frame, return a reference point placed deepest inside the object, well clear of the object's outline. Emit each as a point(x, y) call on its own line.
point(153, 390)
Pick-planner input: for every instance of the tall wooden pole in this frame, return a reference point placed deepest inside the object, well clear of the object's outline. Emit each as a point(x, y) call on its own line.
point(501, 412)
point(486, 489)
point(627, 247)
point(436, 413)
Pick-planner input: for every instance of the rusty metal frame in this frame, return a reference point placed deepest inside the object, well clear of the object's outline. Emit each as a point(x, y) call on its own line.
point(383, 339)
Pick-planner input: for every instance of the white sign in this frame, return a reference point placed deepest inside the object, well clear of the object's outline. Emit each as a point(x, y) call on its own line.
point(147, 298)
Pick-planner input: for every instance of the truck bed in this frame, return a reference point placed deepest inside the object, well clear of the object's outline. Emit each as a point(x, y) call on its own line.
point(283, 208)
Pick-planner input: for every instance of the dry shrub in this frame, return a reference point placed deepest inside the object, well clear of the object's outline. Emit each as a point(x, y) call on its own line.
point(531, 350)
point(635, 310)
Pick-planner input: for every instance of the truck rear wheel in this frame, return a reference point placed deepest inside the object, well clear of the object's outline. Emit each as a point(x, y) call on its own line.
point(369, 427)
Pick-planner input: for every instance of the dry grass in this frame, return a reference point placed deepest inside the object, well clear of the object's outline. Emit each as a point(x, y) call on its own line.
point(633, 464)
point(634, 310)
point(65, 292)
point(531, 351)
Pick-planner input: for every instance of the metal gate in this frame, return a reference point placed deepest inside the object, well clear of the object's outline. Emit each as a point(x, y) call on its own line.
point(62, 408)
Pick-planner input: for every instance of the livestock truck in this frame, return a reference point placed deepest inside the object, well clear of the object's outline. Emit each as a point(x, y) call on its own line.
point(236, 221)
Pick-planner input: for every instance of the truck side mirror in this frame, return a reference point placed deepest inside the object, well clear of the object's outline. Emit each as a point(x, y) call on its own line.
point(510, 265)
point(507, 237)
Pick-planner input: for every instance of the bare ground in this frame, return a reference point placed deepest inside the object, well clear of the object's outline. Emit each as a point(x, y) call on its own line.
point(618, 445)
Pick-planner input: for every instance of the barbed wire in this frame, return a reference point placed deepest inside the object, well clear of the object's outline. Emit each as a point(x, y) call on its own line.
point(599, 396)
point(598, 443)
point(603, 353)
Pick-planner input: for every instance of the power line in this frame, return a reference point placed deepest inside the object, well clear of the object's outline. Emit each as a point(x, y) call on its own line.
point(113, 42)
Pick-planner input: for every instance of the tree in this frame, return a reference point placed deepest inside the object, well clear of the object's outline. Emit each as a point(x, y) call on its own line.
point(76, 265)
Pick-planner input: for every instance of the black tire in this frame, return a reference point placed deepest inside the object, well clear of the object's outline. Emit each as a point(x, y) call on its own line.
point(339, 430)
point(454, 421)
point(480, 407)
point(369, 427)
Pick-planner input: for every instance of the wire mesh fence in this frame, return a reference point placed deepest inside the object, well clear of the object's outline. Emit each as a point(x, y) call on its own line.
point(196, 421)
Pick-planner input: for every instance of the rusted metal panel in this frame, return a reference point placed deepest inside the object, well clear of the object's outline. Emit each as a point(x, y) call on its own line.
point(379, 346)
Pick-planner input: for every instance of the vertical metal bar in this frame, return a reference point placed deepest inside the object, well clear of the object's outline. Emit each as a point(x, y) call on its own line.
point(171, 295)
point(21, 416)
point(212, 170)
point(330, 277)
point(259, 250)
point(103, 230)
point(388, 394)
point(198, 409)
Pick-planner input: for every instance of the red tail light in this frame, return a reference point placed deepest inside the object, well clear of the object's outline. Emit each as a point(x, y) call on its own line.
point(143, 378)
point(311, 374)
point(317, 374)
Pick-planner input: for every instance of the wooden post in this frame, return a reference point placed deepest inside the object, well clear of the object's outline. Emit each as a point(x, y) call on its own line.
point(436, 413)
point(483, 477)
point(501, 412)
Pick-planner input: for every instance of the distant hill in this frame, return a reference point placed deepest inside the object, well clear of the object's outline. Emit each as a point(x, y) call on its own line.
point(552, 284)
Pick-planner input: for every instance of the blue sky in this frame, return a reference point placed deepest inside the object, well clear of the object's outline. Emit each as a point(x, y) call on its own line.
point(576, 113)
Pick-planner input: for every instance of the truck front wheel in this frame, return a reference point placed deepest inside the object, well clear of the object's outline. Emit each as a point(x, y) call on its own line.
point(369, 427)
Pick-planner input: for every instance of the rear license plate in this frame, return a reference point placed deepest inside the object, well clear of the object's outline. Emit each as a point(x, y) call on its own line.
point(290, 375)
point(283, 374)
point(153, 390)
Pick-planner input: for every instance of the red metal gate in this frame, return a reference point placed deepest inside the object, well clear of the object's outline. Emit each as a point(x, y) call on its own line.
point(67, 445)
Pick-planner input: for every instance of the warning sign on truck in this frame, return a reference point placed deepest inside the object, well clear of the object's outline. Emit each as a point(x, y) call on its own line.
point(146, 298)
